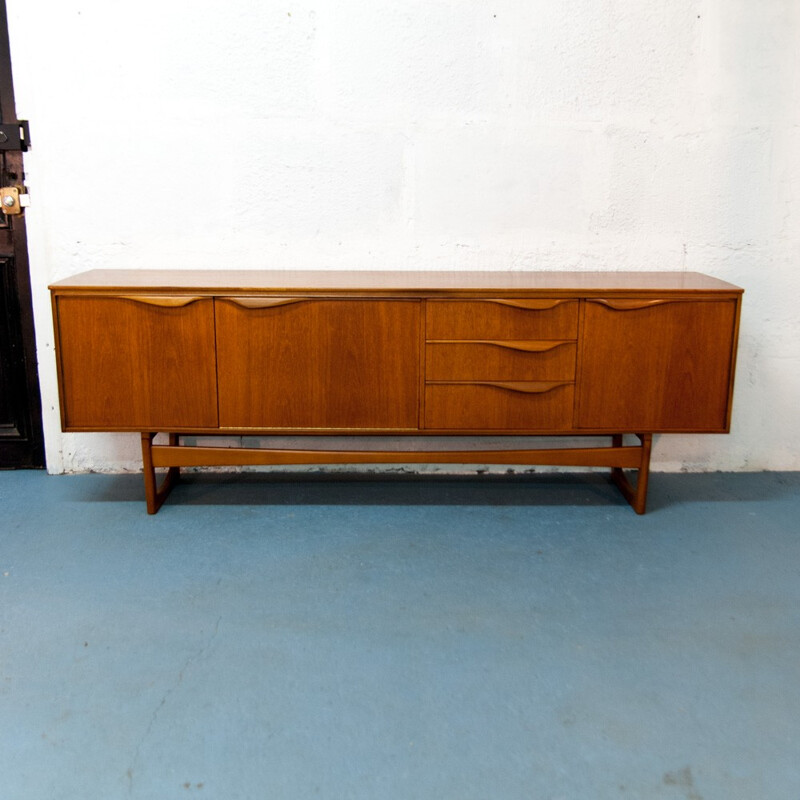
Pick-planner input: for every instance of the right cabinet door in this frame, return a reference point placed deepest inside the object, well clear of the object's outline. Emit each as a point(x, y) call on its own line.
point(656, 365)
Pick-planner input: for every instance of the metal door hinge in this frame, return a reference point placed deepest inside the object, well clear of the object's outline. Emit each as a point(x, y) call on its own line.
point(15, 135)
point(13, 199)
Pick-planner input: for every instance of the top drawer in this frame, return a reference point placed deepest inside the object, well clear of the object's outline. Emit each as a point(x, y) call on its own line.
point(501, 318)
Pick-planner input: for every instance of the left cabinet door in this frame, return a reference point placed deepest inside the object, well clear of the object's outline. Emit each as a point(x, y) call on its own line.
point(143, 362)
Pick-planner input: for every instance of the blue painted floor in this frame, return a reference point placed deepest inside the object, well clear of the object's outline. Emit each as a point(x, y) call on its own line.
point(379, 639)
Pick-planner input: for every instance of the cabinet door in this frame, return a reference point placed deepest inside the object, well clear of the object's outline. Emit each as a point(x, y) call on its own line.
point(305, 363)
point(657, 365)
point(136, 363)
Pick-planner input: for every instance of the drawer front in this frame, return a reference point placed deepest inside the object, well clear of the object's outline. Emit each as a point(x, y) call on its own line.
point(500, 360)
point(502, 319)
point(510, 406)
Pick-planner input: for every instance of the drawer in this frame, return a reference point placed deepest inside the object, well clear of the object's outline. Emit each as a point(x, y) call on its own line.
point(502, 319)
point(544, 360)
point(499, 406)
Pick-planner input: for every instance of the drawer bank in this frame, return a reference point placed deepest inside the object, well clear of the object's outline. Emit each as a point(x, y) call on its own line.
point(251, 353)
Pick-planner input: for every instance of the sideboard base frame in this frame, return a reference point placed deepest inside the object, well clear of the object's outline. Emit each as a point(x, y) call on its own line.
point(175, 455)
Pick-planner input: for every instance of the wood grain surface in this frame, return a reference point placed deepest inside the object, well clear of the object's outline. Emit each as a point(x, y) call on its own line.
point(127, 364)
point(657, 368)
point(318, 364)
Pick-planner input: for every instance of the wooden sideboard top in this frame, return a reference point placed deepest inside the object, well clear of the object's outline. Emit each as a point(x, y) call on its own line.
point(391, 281)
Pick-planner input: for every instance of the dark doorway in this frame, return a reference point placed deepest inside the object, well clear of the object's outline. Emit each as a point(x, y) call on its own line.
point(21, 440)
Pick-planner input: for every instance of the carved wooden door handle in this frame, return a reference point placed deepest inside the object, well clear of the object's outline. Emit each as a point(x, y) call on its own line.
point(526, 387)
point(526, 305)
point(162, 301)
point(511, 344)
point(263, 302)
point(631, 305)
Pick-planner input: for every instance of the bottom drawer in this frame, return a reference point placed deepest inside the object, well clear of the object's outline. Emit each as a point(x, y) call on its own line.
point(510, 405)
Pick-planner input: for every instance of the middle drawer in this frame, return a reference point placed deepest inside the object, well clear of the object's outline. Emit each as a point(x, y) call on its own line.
point(548, 360)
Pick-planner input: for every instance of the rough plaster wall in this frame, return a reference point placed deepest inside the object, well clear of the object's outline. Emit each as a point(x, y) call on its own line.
point(584, 134)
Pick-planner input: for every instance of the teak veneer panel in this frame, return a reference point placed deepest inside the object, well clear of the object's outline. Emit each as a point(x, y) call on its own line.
point(326, 364)
point(552, 360)
point(502, 318)
point(136, 364)
point(657, 367)
point(499, 405)
point(394, 282)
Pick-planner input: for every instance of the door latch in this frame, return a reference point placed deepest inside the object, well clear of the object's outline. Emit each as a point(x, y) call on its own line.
point(13, 199)
point(15, 135)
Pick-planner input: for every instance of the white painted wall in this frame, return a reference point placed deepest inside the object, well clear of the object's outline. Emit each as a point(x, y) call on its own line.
point(501, 134)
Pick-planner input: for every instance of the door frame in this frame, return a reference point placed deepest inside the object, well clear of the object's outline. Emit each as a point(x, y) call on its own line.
point(24, 445)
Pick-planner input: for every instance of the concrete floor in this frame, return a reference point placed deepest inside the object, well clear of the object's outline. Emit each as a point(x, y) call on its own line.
point(495, 640)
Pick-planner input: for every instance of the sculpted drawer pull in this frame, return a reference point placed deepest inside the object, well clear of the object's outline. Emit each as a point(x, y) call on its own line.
point(163, 301)
point(526, 387)
point(631, 305)
point(263, 302)
point(527, 305)
point(510, 344)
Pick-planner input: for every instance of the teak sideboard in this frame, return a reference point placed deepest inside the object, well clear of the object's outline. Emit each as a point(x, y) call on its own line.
point(256, 353)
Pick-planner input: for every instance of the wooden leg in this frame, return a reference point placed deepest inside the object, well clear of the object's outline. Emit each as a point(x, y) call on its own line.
point(155, 495)
point(636, 496)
